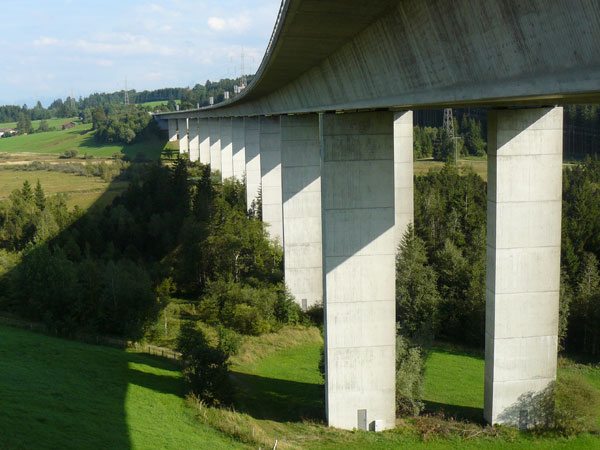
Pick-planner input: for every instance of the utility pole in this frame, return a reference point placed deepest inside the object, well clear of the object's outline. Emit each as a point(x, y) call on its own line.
point(126, 93)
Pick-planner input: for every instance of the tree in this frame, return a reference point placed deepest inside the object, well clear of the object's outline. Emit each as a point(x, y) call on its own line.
point(417, 297)
point(43, 126)
point(24, 125)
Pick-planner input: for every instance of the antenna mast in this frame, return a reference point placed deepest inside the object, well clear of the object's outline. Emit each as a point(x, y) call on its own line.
point(126, 93)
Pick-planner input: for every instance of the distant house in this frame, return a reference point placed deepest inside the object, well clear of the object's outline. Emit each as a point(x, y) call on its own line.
point(68, 125)
point(7, 132)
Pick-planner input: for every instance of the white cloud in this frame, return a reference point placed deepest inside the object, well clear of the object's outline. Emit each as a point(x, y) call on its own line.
point(45, 41)
point(237, 24)
point(216, 23)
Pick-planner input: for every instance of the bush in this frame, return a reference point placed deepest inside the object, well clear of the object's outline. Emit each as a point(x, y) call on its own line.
point(409, 379)
point(577, 405)
point(71, 153)
point(204, 366)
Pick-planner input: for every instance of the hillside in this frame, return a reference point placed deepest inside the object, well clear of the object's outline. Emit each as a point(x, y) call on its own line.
point(68, 395)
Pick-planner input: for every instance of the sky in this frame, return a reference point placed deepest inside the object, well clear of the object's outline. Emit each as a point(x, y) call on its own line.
point(51, 49)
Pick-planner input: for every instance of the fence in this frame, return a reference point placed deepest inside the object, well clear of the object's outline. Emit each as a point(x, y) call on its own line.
point(9, 320)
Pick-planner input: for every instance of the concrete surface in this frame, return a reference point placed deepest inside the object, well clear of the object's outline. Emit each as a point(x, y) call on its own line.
point(252, 155)
point(238, 148)
point(523, 260)
point(226, 148)
point(172, 130)
point(270, 172)
point(214, 131)
point(301, 178)
point(359, 267)
point(194, 137)
point(182, 126)
point(403, 173)
point(204, 141)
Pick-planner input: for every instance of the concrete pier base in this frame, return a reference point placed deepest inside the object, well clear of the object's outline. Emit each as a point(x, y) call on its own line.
point(182, 126)
point(226, 148)
point(172, 130)
point(204, 139)
point(252, 156)
point(194, 138)
point(214, 131)
point(238, 148)
point(301, 178)
point(523, 261)
point(270, 172)
point(359, 268)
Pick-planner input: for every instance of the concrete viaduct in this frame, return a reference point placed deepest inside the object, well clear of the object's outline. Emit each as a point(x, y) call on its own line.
point(325, 128)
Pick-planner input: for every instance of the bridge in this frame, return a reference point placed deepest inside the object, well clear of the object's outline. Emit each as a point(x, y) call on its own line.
point(325, 130)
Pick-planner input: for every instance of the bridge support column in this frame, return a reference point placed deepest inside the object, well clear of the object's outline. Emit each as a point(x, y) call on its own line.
point(194, 140)
point(214, 132)
point(183, 135)
point(301, 186)
point(204, 141)
point(252, 157)
point(359, 268)
point(523, 261)
point(238, 148)
point(403, 173)
point(172, 130)
point(270, 172)
point(226, 148)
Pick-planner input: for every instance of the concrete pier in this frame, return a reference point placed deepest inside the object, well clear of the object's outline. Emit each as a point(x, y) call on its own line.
point(194, 143)
point(523, 261)
point(359, 268)
point(183, 135)
point(172, 130)
point(270, 172)
point(403, 172)
point(204, 139)
point(226, 148)
point(301, 178)
point(214, 131)
point(238, 148)
point(252, 156)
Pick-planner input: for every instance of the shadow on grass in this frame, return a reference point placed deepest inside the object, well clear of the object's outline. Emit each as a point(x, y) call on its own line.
point(278, 400)
point(457, 412)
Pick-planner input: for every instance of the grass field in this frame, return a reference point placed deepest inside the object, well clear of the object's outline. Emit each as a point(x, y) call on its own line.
point(159, 103)
point(82, 191)
point(56, 123)
point(57, 394)
point(80, 138)
point(421, 167)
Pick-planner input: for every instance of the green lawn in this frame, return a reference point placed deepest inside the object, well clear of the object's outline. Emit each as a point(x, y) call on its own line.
point(80, 138)
point(56, 123)
point(58, 394)
point(159, 103)
point(82, 191)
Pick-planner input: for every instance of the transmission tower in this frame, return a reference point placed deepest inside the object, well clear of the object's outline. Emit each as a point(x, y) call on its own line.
point(449, 122)
point(126, 93)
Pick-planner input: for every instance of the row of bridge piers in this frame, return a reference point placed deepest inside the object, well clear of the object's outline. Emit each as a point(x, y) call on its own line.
point(337, 195)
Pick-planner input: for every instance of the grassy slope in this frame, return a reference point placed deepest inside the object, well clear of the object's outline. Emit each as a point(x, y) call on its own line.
point(82, 191)
point(159, 103)
point(80, 138)
point(56, 123)
point(280, 386)
point(68, 395)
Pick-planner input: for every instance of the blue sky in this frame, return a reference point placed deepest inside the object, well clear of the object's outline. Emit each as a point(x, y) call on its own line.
point(53, 48)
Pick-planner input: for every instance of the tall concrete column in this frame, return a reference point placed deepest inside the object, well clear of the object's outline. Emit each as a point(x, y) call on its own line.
point(270, 172)
point(252, 156)
point(194, 140)
point(301, 181)
point(183, 135)
point(238, 148)
point(226, 148)
point(214, 131)
point(204, 141)
point(403, 172)
point(359, 268)
point(172, 130)
point(523, 261)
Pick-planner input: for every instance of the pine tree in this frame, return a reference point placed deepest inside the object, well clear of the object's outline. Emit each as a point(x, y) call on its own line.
point(40, 198)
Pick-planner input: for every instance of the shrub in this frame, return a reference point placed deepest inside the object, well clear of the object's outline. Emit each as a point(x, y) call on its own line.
point(409, 378)
point(577, 404)
point(72, 153)
point(204, 366)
